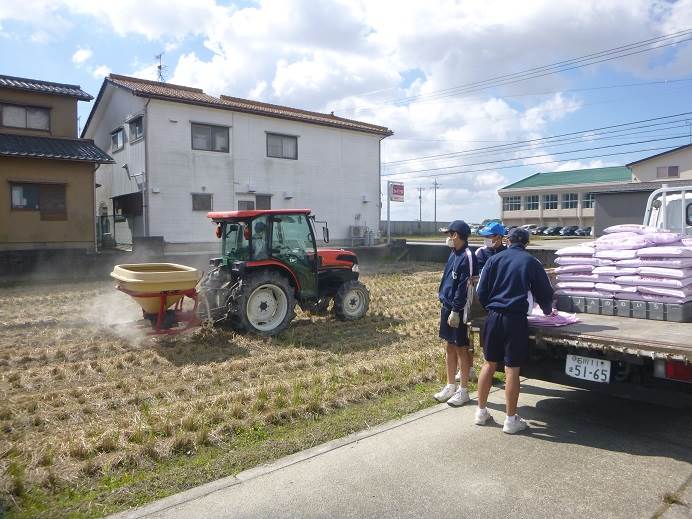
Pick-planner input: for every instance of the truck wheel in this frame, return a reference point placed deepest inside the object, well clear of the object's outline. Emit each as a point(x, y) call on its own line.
point(351, 301)
point(265, 304)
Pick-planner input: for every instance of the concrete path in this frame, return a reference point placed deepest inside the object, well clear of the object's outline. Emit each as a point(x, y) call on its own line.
point(586, 455)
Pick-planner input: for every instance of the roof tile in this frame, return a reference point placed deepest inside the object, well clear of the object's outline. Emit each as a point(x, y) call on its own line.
point(44, 87)
point(577, 176)
point(80, 150)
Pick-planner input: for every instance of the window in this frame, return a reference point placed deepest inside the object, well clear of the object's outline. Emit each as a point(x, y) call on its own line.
point(588, 201)
point(49, 199)
point(531, 202)
point(201, 202)
point(246, 205)
point(209, 138)
point(511, 203)
point(117, 139)
point(136, 128)
point(668, 172)
point(282, 146)
point(30, 117)
point(570, 200)
point(263, 201)
point(550, 201)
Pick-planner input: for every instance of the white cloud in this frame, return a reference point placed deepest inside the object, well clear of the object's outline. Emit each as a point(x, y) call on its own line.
point(81, 55)
point(101, 71)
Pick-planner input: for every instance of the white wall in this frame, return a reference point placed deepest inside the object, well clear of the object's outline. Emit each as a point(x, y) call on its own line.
point(334, 169)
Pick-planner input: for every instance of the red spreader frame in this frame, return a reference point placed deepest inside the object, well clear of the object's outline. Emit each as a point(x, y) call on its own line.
point(187, 318)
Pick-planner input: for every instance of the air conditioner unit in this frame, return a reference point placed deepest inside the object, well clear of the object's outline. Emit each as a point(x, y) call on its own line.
point(288, 195)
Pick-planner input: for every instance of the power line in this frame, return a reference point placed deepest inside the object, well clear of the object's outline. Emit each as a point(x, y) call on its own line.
point(536, 156)
point(544, 139)
point(561, 66)
point(483, 170)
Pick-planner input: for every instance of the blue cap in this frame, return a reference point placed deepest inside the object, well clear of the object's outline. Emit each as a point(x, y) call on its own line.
point(493, 228)
point(518, 235)
point(460, 227)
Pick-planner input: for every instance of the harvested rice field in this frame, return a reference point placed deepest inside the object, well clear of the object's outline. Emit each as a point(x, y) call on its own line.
point(97, 416)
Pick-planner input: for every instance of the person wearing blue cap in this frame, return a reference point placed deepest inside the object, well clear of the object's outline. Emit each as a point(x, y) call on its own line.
point(461, 264)
point(503, 290)
point(492, 234)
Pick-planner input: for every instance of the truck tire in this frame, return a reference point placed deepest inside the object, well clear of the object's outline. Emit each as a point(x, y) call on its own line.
point(351, 301)
point(265, 304)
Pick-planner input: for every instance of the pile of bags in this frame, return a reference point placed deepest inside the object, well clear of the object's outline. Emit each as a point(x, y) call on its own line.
point(631, 262)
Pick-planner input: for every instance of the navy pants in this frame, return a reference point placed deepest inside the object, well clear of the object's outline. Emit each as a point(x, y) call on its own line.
point(506, 338)
point(457, 336)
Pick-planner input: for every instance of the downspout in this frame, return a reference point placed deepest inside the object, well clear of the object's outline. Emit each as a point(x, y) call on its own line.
point(145, 182)
point(93, 209)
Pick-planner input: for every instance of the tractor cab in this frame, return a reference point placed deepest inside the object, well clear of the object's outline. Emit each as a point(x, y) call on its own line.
point(279, 244)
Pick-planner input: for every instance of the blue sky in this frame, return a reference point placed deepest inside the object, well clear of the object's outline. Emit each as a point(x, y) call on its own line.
point(358, 57)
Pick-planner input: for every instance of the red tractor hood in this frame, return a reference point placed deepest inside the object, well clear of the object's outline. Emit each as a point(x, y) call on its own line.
point(337, 258)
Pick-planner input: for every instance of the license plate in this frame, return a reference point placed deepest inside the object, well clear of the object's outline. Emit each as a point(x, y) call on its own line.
point(587, 368)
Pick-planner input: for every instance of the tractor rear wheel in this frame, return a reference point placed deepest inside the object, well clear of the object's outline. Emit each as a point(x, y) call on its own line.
point(351, 301)
point(265, 304)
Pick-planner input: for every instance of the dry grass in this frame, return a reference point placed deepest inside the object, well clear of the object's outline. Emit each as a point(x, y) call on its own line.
point(82, 396)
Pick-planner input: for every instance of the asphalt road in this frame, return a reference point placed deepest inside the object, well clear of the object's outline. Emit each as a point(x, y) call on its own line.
point(586, 455)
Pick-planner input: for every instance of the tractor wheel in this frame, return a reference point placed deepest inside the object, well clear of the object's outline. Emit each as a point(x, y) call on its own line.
point(351, 301)
point(265, 304)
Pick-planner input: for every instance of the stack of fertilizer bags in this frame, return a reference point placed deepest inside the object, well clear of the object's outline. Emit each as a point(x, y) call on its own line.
point(631, 262)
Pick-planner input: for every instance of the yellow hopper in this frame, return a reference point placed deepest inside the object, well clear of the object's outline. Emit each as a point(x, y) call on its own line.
point(150, 283)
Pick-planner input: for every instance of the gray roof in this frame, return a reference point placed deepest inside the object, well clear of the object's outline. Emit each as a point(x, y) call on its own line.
point(44, 87)
point(80, 150)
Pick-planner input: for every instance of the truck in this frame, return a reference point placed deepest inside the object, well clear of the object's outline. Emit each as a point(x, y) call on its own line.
point(643, 359)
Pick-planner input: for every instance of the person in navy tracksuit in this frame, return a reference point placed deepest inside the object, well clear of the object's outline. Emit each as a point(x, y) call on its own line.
point(492, 234)
point(503, 290)
point(452, 294)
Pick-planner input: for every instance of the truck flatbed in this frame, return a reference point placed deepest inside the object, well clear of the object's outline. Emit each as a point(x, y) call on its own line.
point(638, 337)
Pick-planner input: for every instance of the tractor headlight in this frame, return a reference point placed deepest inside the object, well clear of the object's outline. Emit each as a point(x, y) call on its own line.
point(355, 267)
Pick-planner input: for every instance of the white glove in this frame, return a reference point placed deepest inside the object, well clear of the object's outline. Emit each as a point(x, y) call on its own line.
point(453, 319)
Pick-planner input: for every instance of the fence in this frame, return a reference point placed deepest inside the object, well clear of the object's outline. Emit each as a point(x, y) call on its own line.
point(411, 228)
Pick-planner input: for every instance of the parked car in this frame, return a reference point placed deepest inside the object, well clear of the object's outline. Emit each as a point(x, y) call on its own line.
point(568, 230)
point(539, 229)
point(475, 229)
point(552, 231)
point(507, 229)
point(529, 226)
point(583, 231)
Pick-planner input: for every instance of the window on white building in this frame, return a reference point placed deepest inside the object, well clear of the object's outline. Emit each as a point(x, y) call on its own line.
point(588, 201)
point(136, 128)
point(201, 202)
point(117, 139)
point(282, 146)
point(570, 200)
point(246, 205)
point(531, 202)
point(550, 201)
point(207, 137)
point(30, 117)
point(511, 203)
point(668, 172)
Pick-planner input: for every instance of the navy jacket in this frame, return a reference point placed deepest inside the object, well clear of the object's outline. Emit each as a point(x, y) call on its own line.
point(484, 253)
point(507, 279)
point(453, 287)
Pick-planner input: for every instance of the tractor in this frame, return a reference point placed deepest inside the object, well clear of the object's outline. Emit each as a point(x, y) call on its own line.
point(269, 262)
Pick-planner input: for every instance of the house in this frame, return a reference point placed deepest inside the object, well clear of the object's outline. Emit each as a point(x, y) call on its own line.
point(180, 153)
point(46, 172)
point(559, 197)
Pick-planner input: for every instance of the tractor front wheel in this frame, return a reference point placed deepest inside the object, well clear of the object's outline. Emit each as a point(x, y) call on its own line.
point(266, 303)
point(351, 301)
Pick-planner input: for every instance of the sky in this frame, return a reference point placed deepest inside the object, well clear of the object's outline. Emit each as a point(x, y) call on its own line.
point(393, 63)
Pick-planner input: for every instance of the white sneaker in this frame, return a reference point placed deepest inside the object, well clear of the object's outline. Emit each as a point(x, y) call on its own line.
point(482, 416)
point(459, 398)
point(515, 425)
point(445, 393)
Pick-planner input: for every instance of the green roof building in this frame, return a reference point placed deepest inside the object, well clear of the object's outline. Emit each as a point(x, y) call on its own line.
point(560, 197)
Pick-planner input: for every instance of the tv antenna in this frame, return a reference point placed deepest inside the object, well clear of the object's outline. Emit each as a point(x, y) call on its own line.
point(161, 68)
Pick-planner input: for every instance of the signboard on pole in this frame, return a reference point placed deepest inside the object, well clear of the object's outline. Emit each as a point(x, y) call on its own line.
point(396, 191)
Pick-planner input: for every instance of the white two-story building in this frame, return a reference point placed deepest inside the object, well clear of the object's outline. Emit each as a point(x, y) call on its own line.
point(180, 153)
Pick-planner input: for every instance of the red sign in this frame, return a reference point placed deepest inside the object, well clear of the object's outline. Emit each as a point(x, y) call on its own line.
point(396, 191)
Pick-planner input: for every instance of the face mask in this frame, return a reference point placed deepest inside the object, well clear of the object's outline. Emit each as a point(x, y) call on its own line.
point(449, 242)
point(488, 242)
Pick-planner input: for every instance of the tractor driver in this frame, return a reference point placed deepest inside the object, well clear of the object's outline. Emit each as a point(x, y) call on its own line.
point(259, 241)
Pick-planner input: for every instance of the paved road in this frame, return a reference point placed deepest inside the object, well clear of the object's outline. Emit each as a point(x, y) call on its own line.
point(585, 456)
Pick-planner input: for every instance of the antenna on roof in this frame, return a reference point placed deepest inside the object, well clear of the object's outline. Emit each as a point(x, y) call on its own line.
point(161, 68)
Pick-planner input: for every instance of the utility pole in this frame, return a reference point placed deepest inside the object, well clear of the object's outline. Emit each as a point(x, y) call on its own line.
point(435, 186)
point(389, 220)
point(420, 204)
